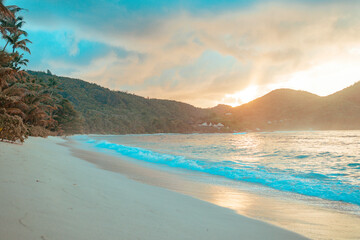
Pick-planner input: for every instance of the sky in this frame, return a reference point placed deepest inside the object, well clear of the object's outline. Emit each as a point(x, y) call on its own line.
point(202, 52)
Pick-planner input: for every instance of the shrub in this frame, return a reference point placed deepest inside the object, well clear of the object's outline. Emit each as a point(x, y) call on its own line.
point(12, 128)
point(38, 131)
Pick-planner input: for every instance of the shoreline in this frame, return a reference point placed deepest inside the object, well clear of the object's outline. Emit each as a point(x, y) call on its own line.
point(296, 215)
point(49, 194)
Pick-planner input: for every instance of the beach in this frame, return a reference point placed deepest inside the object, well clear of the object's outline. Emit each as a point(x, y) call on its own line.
point(169, 120)
point(315, 218)
point(47, 193)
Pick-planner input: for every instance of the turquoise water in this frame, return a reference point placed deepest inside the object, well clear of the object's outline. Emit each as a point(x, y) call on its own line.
point(323, 164)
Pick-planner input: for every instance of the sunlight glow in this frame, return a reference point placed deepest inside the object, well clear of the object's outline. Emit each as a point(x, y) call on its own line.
point(355, 51)
point(241, 97)
point(326, 78)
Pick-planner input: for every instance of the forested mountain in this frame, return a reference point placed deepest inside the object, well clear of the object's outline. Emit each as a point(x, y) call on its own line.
point(115, 112)
point(286, 109)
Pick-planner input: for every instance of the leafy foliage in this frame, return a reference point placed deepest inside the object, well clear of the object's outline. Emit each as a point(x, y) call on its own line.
point(12, 128)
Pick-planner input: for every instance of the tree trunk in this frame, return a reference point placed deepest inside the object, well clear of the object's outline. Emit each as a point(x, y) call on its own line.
point(5, 45)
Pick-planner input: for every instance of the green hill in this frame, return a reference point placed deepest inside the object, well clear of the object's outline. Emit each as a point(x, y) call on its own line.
point(286, 109)
point(106, 111)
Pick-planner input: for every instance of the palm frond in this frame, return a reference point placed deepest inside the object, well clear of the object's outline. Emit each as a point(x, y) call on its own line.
point(5, 11)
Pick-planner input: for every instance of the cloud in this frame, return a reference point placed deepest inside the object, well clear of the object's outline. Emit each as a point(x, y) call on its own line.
point(198, 56)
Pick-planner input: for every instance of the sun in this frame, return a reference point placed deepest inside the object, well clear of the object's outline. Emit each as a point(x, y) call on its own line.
point(241, 97)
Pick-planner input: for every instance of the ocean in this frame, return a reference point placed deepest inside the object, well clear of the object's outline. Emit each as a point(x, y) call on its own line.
point(323, 164)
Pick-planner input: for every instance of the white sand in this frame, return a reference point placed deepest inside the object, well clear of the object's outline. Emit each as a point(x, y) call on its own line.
point(45, 193)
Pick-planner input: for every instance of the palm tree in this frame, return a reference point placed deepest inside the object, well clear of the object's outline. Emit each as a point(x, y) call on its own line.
point(11, 31)
point(16, 42)
point(12, 26)
point(7, 12)
point(18, 60)
point(5, 59)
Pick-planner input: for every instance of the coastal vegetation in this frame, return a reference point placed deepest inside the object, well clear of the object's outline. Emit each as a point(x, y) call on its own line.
point(28, 106)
